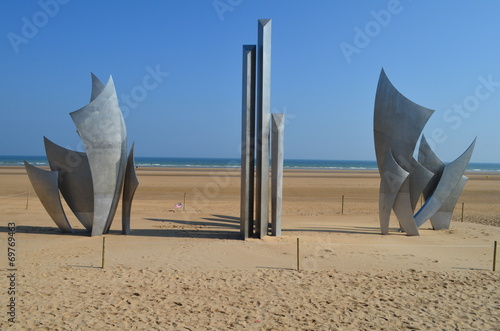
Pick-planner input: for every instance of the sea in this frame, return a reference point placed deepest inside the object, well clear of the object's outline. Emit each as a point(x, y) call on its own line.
point(190, 162)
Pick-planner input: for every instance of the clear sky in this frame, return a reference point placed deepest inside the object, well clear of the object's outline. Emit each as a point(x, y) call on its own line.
point(326, 60)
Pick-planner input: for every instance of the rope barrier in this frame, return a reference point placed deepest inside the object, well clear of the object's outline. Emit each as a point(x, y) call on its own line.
point(174, 196)
point(247, 243)
point(13, 195)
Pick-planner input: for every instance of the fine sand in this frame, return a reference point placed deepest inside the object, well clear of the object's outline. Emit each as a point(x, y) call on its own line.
point(186, 268)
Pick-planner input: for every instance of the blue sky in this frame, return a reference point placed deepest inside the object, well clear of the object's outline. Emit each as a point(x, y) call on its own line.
point(326, 59)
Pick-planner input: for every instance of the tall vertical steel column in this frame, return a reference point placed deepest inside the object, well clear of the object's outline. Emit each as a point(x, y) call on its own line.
point(263, 128)
point(247, 142)
point(277, 172)
point(129, 186)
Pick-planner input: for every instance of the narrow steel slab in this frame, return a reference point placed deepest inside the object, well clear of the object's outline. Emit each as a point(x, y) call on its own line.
point(131, 183)
point(278, 155)
point(263, 127)
point(247, 142)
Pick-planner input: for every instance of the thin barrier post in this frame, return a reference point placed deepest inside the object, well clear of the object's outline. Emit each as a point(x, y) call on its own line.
point(298, 255)
point(103, 251)
point(462, 211)
point(342, 210)
point(28, 199)
point(184, 204)
point(495, 256)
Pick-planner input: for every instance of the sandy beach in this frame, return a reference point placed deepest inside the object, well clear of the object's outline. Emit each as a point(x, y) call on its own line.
point(186, 268)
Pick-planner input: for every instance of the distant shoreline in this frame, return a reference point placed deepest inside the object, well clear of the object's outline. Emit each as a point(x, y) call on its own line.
point(235, 171)
point(234, 163)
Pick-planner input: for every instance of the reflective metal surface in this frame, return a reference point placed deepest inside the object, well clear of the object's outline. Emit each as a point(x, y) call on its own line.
point(263, 127)
point(45, 185)
point(442, 218)
point(91, 182)
point(278, 150)
point(430, 161)
point(97, 87)
point(102, 129)
point(451, 177)
point(130, 185)
point(75, 180)
point(247, 142)
point(398, 122)
point(391, 180)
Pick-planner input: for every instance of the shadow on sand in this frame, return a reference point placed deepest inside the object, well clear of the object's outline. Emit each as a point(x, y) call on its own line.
point(83, 266)
point(349, 230)
point(52, 230)
point(214, 227)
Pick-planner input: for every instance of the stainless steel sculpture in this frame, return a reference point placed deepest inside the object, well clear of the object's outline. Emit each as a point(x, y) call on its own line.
point(247, 142)
point(263, 127)
point(277, 172)
point(97, 87)
point(442, 218)
point(130, 185)
point(260, 67)
point(75, 180)
point(45, 185)
point(398, 123)
point(91, 182)
point(447, 191)
point(102, 130)
point(429, 160)
point(392, 178)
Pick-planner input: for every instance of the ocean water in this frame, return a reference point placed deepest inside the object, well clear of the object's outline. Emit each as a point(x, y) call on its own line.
point(184, 162)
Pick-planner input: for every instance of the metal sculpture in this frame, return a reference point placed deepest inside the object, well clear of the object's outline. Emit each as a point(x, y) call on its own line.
point(263, 127)
point(130, 185)
point(392, 178)
point(260, 142)
point(398, 122)
point(247, 142)
point(448, 190)
point(97, 87)
point(429, 159)
point(91, 182)
point(102, 130)
point(277, 150)
point(45, 185)
point(75, 180)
